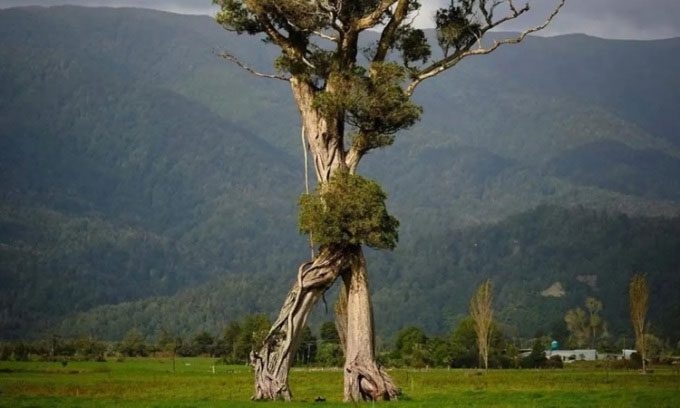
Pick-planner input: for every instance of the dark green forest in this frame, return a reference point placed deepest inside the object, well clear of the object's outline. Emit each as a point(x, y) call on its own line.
point(524, 255)
point(146, 183)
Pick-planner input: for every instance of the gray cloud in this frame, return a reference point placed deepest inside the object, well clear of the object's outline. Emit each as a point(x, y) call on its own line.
point(174, 6)
point(624, 19)
point(629, 19)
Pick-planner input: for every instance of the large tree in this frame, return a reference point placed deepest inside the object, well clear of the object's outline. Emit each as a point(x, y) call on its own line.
point(352, 67)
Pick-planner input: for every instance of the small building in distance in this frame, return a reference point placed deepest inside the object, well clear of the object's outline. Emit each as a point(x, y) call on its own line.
point(588, 355)
point(574, 355)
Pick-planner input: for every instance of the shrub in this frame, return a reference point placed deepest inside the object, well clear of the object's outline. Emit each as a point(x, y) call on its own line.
point(554, 362)
point(635, 361)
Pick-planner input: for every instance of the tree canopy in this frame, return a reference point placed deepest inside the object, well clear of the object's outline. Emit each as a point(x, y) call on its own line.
point(367, 87)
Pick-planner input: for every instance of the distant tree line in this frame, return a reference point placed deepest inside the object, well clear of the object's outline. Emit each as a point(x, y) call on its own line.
point(527, 253)
point(476, 341)
point(412, 347)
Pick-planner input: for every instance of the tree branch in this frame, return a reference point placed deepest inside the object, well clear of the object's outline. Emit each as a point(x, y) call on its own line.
point(332, 14)
point(279, 39)
point(236, 61)
point(325, 36)
point(353, 157)
point(448, 62)
point(387, 36)
point(373, 18)
point(488, 12)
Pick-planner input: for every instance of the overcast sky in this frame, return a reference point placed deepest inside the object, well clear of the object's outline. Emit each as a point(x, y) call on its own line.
point(625, 19)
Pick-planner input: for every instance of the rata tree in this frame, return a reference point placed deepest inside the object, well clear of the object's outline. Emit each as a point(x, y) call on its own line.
point(353, 67)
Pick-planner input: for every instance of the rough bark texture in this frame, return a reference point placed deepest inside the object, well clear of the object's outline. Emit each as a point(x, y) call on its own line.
point(364, 378)
point(272, 362)
point(324, 134)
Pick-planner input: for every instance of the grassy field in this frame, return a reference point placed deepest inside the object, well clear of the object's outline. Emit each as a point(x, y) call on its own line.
point(151, 383)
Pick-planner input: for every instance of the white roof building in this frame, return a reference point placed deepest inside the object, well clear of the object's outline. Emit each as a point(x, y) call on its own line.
point(573, 355)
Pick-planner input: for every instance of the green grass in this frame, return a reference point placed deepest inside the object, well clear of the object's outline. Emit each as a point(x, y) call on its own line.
point(151, 382)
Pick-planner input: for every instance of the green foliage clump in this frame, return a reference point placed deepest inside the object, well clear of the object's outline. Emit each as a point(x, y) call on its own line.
point(254, 329)
point(374, 105)
point(456, 26)
point(234, 16)
point(134, 344)
point(348, 210)
point(413, 45)
point(412, 348)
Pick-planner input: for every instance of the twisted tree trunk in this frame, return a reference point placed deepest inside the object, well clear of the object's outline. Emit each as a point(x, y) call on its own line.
point(272, 362)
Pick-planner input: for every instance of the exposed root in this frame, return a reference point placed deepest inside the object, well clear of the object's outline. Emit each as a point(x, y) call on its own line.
point(365, 380)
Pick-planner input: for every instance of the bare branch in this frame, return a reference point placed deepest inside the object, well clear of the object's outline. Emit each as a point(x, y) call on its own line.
point(516, 13)
point(512, 6)
point(448, 62)
point(236, 61)
point(488, 14)
point(325, 36)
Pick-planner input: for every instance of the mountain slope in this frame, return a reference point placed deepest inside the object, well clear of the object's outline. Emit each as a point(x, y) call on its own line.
point(87, 147)
point(588, 253)
point(528, 253)
point(135, 163)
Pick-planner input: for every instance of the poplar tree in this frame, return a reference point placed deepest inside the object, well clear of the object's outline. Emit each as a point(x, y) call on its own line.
point(481, 312)
point(638, 294)
point(353, 67)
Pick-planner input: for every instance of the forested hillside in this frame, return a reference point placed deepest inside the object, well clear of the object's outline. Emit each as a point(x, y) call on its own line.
point(145, 182)
point(429, 283)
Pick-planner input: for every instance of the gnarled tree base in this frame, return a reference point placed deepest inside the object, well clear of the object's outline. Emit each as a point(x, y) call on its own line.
point(365, 380)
